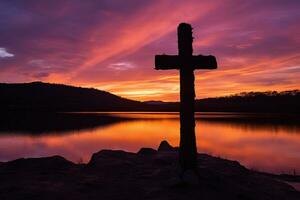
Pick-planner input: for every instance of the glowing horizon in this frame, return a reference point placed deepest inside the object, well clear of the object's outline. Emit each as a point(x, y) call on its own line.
point(111, 45)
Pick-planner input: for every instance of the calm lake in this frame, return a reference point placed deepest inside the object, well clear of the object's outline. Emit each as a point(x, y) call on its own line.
point(260, 142)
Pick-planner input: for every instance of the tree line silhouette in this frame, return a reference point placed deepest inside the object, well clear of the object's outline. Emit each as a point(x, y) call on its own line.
point(271, 101)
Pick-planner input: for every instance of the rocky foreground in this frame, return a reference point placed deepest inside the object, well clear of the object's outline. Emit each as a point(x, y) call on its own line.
point(148, 174)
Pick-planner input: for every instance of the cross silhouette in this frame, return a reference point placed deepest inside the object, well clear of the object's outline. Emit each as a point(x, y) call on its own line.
point(186, 62)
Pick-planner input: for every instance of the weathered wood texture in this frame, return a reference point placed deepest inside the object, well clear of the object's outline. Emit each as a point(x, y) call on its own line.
point(186, 63)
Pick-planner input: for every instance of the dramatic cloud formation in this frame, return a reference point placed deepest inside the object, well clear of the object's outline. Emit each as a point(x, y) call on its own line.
point(111, 45)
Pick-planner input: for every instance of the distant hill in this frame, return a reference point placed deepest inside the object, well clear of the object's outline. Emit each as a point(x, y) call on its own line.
point(39, 96)
point(156, 102)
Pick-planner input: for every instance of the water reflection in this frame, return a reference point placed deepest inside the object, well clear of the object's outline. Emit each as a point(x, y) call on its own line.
point(41, 123)
point(262, 145)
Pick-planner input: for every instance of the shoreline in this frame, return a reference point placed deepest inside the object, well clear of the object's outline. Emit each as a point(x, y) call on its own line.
point(150, 174)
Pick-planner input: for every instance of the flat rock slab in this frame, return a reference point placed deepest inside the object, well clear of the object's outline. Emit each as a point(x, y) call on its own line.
point(149, 174)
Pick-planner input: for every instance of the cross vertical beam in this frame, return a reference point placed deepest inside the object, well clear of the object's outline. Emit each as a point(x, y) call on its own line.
point(187, 147)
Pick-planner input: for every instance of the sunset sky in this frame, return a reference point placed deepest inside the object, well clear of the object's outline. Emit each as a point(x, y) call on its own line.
point(110, 44)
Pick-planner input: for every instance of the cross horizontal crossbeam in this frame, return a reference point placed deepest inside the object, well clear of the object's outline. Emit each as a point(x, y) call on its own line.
point(164, 62)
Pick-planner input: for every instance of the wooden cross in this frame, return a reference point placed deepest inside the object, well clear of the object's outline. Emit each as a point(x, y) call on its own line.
point(186, 63)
